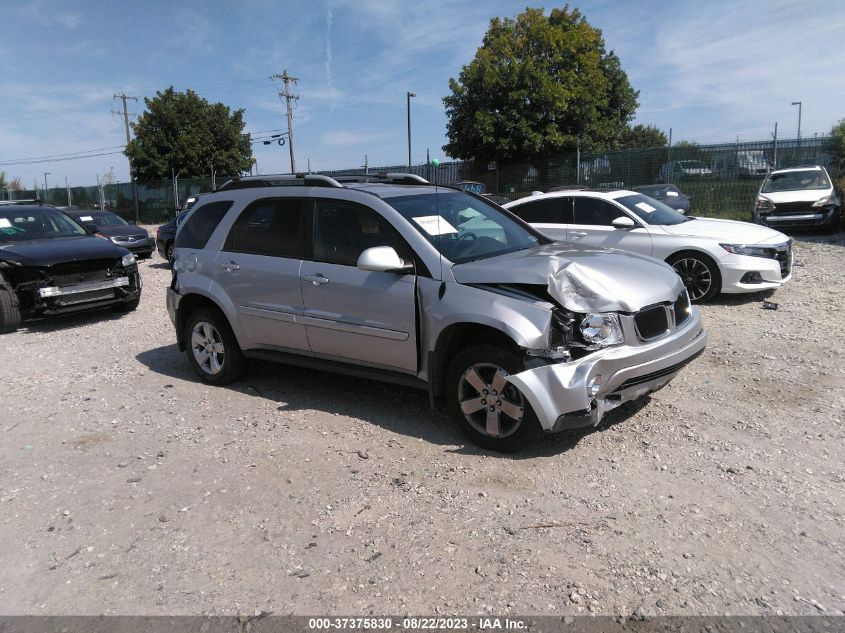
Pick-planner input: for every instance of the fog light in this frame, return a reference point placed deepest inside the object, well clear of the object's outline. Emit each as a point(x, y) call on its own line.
point(751, 278)
point(593, 386)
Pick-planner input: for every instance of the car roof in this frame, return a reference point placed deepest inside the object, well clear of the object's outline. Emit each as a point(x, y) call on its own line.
point(612, 194)
point(799, 168)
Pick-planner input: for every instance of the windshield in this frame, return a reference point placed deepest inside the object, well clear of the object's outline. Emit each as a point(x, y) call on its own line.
point(651, 211)
point(463, 228)
point(692, 164)
point(659, 191)
point(25, 224)
point(796, 181)
point(100, 218)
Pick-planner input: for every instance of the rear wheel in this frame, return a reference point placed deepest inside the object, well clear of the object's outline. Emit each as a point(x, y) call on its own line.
point(699, 273)
point(10, 312)
point(491, 411)
point(211, 347)
point(168, 251)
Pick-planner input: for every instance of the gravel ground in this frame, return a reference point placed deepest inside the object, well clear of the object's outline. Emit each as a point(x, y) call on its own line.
point(128, 487)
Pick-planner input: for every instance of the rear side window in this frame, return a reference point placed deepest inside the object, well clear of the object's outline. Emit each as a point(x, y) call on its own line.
point(595, 212)
point(196, 230)
point(273, 227)
point(546, 211)
point(344, 230)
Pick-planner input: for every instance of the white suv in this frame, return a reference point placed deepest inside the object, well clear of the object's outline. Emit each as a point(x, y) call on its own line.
point(798, 197)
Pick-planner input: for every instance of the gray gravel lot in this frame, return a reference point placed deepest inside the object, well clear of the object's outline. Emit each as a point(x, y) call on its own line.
point(126, 486)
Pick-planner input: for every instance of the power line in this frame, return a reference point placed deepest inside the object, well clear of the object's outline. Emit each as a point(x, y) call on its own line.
point(56, 160)
point(87, 151)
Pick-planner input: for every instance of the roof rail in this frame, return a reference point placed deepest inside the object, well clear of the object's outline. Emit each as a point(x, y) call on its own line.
point(390, 178)
point(8, 203)
point(279, 180)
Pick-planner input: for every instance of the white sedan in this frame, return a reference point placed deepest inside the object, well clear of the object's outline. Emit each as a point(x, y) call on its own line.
point(710, 255)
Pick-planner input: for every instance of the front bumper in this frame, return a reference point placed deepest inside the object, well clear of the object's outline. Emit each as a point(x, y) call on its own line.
point(139, 247)
point(820, 217)
point(738, 273)
point(558, 392)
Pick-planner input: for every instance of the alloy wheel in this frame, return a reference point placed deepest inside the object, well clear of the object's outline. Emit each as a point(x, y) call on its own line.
point(696, 276)
point(490, 404)
point(207, 347)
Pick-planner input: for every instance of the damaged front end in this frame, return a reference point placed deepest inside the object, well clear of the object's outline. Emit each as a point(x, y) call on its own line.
point(621, 326)
point(72, 286)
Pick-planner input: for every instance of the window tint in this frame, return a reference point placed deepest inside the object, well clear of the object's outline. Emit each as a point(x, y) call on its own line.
point(546, 211)
point(595, 212)
point(344, 230)
point(272, 227)
point(196, 230)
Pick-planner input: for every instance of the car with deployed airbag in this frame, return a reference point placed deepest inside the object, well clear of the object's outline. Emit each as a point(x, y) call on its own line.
point(393, 278)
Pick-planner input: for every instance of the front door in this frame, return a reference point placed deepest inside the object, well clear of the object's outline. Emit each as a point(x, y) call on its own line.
point(355, 315)
point(593, 226)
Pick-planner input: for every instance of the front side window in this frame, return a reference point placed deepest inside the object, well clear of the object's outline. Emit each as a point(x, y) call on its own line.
point(273, 227)
point(22, 225)
point(343, 230)
point(197, 229)
point(796, 181)
point(463, 228)
point(595, 212)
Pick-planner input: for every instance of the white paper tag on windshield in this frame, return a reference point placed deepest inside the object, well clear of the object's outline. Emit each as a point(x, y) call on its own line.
point(672, 193)
point(4, 223)
point(435, 225)
point(86, 218)
point(645, 206)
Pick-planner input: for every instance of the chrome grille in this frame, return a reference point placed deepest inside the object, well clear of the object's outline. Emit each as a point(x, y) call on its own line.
point(682, 308)
point(83, 272)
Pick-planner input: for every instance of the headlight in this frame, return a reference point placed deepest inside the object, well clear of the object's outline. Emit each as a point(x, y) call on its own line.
point(823, 202)
point(742, 249)
point(764, 205)
point(127, 260)
point(601, 330)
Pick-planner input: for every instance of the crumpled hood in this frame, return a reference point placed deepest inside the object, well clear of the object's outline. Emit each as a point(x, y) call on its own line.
point(726, 231)
point(56, 251)
point(580, 279)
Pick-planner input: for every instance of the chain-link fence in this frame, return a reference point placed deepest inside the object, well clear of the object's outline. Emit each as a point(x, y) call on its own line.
point(722, 180)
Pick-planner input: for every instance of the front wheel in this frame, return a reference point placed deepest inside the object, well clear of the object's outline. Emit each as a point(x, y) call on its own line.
point(211, 347)
point(491, 411)
point(10, 312)
point(699, 273)
point(168, 252)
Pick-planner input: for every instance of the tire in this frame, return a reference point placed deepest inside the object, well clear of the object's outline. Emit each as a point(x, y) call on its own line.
point(128, 306)
point(10, 311)
point(211, 347)
point(168, 252)
point(479, 368)
point(699, 273)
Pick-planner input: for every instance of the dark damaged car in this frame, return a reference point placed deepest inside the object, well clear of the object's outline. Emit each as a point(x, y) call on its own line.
point(50, 264)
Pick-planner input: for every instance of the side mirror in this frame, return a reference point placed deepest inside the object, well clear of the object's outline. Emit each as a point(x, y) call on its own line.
point(623, 222)
point(91, 228)
point(383, 259)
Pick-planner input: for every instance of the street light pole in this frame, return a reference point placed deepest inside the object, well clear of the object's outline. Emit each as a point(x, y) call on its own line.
point(408, 96)
point(798, 103)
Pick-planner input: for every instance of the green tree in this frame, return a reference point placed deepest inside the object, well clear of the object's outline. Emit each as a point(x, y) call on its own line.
point(642, 137)
point(836, 145)
point(536, 85)
point(184, 132)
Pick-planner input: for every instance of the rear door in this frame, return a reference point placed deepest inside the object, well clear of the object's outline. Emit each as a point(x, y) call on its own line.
point(593, 226)
point(258, 269)
point(355, 315)
point(550, 216)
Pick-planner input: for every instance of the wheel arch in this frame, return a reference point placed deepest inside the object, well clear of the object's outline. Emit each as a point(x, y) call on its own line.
point(189, 304)
point(698, 253)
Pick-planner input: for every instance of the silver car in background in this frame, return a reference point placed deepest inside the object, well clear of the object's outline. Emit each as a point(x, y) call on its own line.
point(396, 279)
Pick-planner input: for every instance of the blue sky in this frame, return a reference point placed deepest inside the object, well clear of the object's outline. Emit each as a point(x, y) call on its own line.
point(711, 71)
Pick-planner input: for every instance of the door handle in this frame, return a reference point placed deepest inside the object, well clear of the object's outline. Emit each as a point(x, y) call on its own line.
point(230, 266)
point(577, 233)
point(317, 279)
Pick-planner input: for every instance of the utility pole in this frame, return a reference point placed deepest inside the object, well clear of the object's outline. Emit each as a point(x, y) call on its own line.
point(123, 97)
point(408, 96)
point(287, 79)
point(798, 103)
point(775, 151)
point(46, 173)
point(69, 197)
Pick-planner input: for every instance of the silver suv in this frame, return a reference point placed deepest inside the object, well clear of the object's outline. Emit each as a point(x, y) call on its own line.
point(397, 279)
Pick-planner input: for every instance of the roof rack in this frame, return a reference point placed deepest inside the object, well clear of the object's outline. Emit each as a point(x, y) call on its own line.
point(279, 180)
point(388, 178)
point(8, 203)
